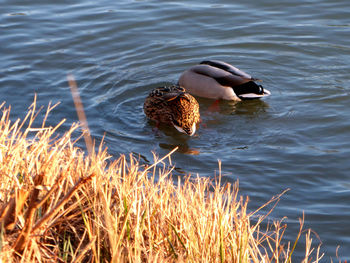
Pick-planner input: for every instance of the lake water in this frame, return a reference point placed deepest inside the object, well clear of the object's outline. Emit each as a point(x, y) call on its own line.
point(298, 138)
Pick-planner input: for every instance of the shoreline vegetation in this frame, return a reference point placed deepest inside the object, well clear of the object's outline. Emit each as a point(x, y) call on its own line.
point(60, 204)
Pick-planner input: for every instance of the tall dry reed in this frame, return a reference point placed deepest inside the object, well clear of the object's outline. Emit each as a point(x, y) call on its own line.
point(61, 205)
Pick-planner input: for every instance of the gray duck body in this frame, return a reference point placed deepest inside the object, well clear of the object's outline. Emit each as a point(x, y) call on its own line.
point(216, 79)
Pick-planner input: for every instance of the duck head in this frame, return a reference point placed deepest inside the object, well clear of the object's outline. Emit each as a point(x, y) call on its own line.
point(185, 128)
point(185, 113)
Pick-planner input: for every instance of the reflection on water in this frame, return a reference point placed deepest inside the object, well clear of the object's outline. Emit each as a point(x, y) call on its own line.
point(251, 108)
point(247, 107)
point(182, 148)
point(174, 138)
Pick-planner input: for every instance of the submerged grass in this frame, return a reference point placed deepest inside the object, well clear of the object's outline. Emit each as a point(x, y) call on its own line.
point(58, 204)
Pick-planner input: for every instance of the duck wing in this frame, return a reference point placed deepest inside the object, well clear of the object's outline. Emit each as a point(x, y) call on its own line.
point(172, 96)
point(223, 77)
point(228, 68)
point(169, 93)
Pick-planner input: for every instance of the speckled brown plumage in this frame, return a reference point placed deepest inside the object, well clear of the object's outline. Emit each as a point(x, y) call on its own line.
point(173, 106)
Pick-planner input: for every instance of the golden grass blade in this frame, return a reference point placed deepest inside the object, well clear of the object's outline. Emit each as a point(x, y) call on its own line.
point(83, 251)
point(301, 221)
point(178, 236)
point(80, 111)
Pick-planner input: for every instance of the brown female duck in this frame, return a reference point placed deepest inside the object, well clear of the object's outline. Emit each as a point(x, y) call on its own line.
point(173, 106)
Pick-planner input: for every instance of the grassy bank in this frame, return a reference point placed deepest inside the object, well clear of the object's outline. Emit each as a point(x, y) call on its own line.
point(59, 204)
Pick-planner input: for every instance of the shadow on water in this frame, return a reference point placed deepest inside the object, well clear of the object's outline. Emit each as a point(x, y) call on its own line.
point(249, 108)
point(182, 148)
point(173, 139)
point(246, 107)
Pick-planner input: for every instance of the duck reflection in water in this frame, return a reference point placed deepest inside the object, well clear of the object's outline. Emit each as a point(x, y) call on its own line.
point(182, 148)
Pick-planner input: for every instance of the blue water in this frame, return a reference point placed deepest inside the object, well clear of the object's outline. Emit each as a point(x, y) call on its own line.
point(298, 138)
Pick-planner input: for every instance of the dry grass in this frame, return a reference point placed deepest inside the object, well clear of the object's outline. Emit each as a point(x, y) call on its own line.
point(60, 205)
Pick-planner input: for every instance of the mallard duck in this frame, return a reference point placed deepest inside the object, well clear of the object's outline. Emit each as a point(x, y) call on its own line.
point(219, 80)
point(173, 106)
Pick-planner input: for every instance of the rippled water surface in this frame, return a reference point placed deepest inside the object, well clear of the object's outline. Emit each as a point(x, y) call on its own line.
point(298, 138)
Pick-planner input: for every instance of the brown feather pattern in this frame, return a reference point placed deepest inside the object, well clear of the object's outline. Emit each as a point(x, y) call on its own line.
point(172, 106)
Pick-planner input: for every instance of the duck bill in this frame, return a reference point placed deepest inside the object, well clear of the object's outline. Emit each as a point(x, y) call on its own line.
point(193, 129)
point(190, 133)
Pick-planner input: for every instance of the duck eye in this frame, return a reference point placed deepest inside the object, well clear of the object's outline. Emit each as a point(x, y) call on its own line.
point(158, 93)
